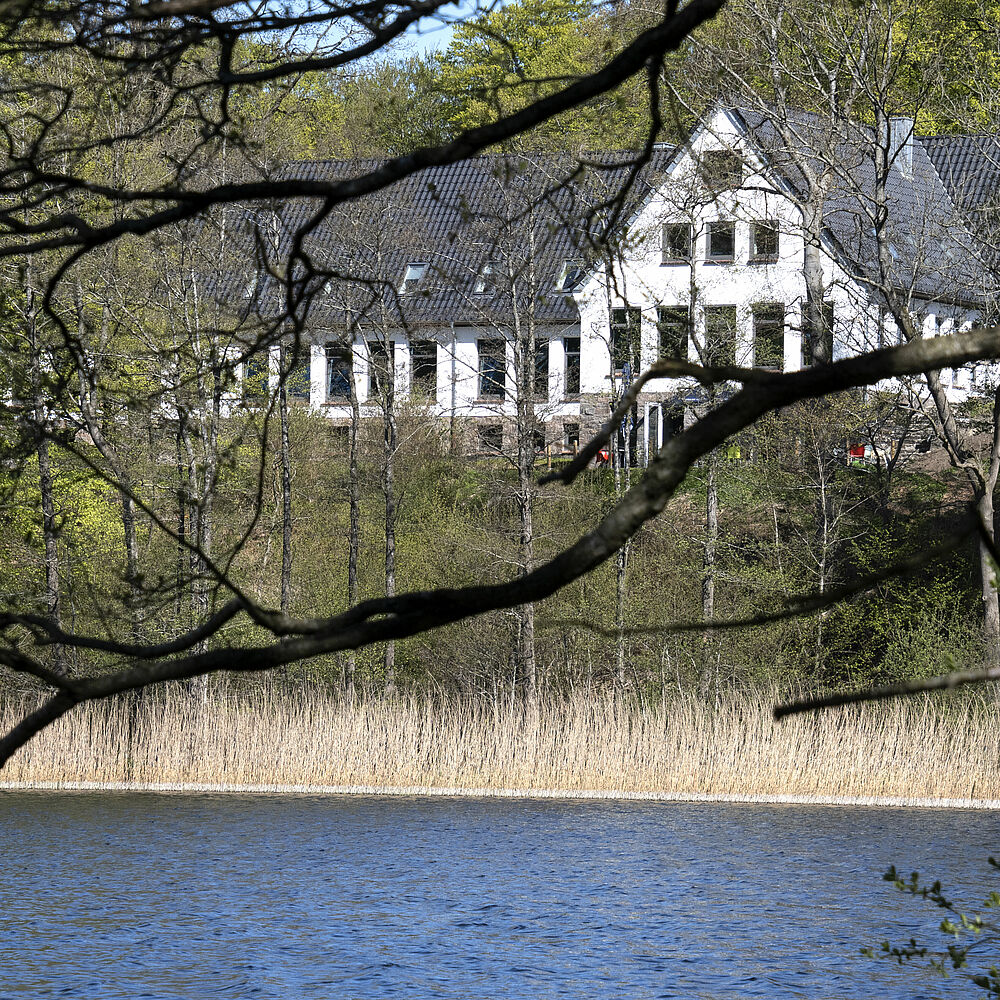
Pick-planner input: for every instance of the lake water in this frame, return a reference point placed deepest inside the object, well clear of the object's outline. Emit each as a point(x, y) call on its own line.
point(137, 895)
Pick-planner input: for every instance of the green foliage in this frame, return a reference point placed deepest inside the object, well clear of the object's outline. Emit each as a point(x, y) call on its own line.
point(963, 932)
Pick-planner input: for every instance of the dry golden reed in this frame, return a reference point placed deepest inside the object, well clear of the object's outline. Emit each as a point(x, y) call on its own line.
point(600, 743)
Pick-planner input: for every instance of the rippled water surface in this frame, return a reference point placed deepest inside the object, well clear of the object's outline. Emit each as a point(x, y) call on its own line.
point(141, 895)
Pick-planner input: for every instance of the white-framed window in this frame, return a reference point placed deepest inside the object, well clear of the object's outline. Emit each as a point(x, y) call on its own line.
point(412, 276)
point(492, 368)
point(769, 335)
point(338, 372)
point(486, 280)
point(764, 242)
point(721, 242)
point(423, 368)
point(721, 170)
point(570, 276)
point(676, 241)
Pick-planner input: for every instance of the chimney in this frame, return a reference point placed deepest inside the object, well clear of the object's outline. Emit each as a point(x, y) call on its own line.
point(901, 144)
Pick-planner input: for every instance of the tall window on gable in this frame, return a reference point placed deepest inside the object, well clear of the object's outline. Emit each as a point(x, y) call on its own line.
point(492, 368)
point(338, 372)
point(423, 361)
point(571, 347)
point(256, 376)
point(676, 243)
point(810, 354)
point(764, 242)
point(721, 333)
point(673, 324)
point(541, 380)
point(721, 241)
point(721, 170)
point(769, 335)
point(626, 329)
point(380, 366)
point(412, 276)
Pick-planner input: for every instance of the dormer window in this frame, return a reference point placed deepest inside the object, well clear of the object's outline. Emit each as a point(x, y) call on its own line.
point(764, 242)
point(414, 274)
point(721, 170)
point(486, 280)
point(570, 276)
point(676, 243)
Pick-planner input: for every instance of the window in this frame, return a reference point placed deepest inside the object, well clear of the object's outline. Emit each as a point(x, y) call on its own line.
point(492, 368)
point(256, 376)
point(541, 383)
point(571, 345)
point(721, 241)
point(769, 335)
point(721, 170)
point(676, 243)
point(538, 439)
point(570, 276)
point(380, 366)
point(720, 335)
point(412, 277)
point(810, 355)
point(673, 324)
point(486, 280)
point(764, 242)
point(338, 372)
point(490, 437)
point(571, 437)
point(626, 328)
point(298, 383)
point(423, 373)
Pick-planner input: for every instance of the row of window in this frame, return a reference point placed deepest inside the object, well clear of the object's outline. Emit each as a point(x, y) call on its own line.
point(491, 370)
point(675, 339)
point(675, 334)
point(720, 242)
point(487, 281)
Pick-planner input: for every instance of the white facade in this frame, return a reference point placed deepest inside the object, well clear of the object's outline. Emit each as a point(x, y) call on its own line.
point(745, 218)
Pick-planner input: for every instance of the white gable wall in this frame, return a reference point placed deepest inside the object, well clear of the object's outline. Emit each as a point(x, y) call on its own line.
point(641, 278)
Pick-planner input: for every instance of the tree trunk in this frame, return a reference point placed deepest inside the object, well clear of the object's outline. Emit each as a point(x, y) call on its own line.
point(286, 494)
point(354, 502)
point(524, 373)
point(818, 339)
point(708, 572)
point(389, 489)
point(988, 574)
point(51, 552)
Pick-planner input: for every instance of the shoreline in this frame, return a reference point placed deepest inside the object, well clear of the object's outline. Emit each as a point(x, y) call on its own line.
point(435, 791)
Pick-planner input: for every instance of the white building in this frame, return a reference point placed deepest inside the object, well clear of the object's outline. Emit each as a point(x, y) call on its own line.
point(703, 259)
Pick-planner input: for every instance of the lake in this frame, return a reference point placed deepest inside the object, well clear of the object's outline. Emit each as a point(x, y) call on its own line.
point(138, 895)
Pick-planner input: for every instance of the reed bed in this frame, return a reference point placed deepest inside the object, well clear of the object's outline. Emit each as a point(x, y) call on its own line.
point(600, 743)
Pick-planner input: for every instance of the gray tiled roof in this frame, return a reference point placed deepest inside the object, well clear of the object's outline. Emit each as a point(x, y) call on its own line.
point(969, 167)
point(537, 213)
point(530, 216)
point(934, 254)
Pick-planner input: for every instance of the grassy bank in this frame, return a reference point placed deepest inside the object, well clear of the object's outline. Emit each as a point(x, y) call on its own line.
point(601, 743)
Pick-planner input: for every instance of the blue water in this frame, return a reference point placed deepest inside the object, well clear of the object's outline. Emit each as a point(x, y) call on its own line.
point(139, 895)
